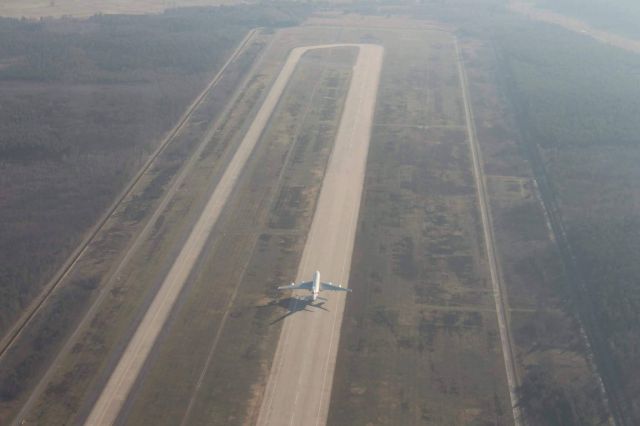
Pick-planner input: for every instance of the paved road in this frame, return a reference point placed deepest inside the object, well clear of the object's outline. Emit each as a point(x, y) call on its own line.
point(299, 386)
point(500, 299)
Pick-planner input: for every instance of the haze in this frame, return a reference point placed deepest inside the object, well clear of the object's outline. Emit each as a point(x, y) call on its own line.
point(337, 213)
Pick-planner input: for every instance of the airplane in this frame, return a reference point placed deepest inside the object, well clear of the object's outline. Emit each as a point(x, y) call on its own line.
point(314, 286)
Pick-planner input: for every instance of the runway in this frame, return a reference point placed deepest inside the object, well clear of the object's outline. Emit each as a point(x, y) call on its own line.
point(299, 386)
point(334, 222)
point(116, 391)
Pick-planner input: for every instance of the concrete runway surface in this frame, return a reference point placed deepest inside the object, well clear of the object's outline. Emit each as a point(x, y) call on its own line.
point(299, 386)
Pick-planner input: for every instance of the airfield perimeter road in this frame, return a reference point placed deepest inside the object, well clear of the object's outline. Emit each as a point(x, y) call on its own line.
point(299, 385)
point(12, 334)
point(113, 396)
point(500, 298)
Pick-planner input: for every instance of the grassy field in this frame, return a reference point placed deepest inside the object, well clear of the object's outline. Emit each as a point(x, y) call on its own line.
point(419, 342)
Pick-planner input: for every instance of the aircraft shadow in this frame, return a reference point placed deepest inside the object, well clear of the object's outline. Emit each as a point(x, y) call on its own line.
point(294, 305)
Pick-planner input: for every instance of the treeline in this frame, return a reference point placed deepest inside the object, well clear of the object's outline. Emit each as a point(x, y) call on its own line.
point(577, 104)
point(119, 48)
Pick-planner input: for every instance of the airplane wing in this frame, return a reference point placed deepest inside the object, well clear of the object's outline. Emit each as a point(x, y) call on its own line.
point(307, 285)
point(333, 287)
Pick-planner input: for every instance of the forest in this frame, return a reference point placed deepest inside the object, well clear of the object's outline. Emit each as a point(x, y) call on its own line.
point(83, 103)
point(577, 104)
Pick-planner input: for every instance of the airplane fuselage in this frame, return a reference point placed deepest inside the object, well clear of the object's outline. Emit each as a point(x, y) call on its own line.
point(316, 284)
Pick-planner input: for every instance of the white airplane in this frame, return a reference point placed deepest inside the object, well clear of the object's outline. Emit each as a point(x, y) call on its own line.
point(314, 286)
